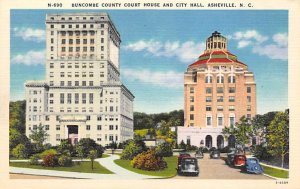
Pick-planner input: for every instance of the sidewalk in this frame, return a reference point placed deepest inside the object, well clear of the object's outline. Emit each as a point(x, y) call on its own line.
point(120, 173)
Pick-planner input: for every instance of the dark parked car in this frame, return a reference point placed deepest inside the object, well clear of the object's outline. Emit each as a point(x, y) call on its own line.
point(252, 166)
point(230, 156)
point(182, 155)
point(189, 167)
point(199, 154)
point(215, 154)
point(239, 160)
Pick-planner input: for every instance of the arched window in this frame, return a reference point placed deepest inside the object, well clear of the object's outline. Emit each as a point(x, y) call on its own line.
point(208, 79)
point(231, 79)
point(220, 79)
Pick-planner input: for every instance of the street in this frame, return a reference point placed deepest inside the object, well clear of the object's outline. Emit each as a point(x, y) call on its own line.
point(218, 169)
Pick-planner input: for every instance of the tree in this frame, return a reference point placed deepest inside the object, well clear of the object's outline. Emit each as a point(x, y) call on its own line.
point(80, 152)
point(278, 135)
point(87, 145)
point(242, 131)
point(20, 151)
point(92, 156)
point(17, 115)
point(133, 148)
point(65, 147)
point(15, 138)
point(38, 137)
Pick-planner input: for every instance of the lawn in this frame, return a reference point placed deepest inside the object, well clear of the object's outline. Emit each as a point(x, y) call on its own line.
point(82, 167)
point(168, 172)
point(275, 172)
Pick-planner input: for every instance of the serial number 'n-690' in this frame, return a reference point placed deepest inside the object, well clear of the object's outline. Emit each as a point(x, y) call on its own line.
point(55, 4)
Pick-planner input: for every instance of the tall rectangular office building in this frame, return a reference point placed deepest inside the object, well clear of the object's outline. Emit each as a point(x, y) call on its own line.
point(82, 95)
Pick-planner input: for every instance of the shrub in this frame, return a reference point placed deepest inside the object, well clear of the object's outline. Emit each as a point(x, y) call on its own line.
point(65, 147)
point(148, 161)
point(225, 149)
point(204, 149)
point(212, 149)
point(85, 145)
point(65, 161)
point(191, 147)
point(48, 152)
point(34, 159)
point(164, 150)
point(182, 145)
point(20, 151)
point(132, 149)
point(50, 160)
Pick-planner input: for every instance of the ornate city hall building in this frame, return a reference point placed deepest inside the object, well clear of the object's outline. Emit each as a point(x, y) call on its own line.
point(82, 95)
point(218, 91)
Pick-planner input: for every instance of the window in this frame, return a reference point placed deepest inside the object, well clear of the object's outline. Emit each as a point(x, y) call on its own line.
point(47, 118)
point(220, 98)
point(219, 89)
point(77, 50)
point(76, 74)
point(92, 33)
point(102, 48)
point(208, 108)
point(91, 74)
point(208, 90)
point(92, 49)
point(52, 48)
point(92, 41)
point(62, 65)
point(84, 41)
point(248, 108)
point(191, 99)
point(231, 121)
point(208, 121)
point(111, 108)
point(83, 98)
point(191, 116)
point(63, 33)
point(220, 79)
point(62, 98)
point(69, 83)
point(208, 79)
point(220, 120)
point(83, 83)
point(99, 127)
point(231, 108)
point(99, 118)
point(208, 99)
point(249, 116)
point(88, 117)
point(91, 83)
point(248, 89)
point(111, 127)
point(76, 83)
point(88, 127)
point(70, 41)
point(91, 98)
point(84, 25)
point(63, 41)
point(101, 25)
point(231, 98)
point(51, 26)
point(51, 65)
point(84, 49)
point(192, 108)
point(248, 98)
point(76, 98)
point(111, 137)
point(102, 32)
point(220, 108)
point(77, 41)
point(57, 137)
point(58, 127)
point(231, 79)
point(231, 89)
point(116, 127)
point(51, 101)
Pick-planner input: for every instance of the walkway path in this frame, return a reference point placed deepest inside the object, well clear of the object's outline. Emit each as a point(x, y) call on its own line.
point(120, 173)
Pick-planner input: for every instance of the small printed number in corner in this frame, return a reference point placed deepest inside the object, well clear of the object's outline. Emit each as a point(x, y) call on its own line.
point(282, 182)
point(55, 5)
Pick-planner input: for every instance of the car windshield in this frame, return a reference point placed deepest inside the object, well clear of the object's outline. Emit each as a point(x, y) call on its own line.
point(189, 164)
point(251, 160)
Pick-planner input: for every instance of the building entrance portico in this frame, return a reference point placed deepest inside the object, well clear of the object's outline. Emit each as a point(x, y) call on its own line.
point(72, 133)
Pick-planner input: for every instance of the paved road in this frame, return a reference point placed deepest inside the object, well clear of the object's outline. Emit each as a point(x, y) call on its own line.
point(218, 169)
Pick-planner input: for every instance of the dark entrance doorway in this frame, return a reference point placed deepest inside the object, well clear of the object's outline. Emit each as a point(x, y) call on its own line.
point(231, 141)
point(208, 141)
point(220, 141)
point(73, 134)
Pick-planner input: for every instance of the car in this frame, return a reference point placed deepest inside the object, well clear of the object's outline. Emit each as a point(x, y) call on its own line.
point(252, 166)
point(188, 167)
point(230, 156)
point(215, 154)
point(199, 154)
point(239, 160)
point(182, 155)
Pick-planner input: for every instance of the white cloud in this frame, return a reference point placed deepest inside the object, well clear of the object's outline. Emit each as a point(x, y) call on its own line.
point(30, 58)
point(250, 35)
point(30, 34)
point(281, 39)
point(243, 43)
point(169, 79)
point(186, 52)
point(261, 45)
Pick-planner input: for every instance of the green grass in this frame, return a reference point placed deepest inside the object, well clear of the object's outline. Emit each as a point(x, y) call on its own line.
point(168, 172)
point(82, 167)
point(275, 172)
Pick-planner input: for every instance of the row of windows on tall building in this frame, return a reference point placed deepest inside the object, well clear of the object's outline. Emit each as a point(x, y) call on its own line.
point(208, 90)
point(77, 33)
point(220, 79)
point(76, 18)
point(76, 74)
point(220, 120)
point(78, 41)
point(78, 49)
point(220, 108)
point(76, 65)
point(77, 26)
point(220, 99)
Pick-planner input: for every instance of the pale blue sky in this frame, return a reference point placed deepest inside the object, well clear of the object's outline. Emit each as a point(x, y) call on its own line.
point(157, 47)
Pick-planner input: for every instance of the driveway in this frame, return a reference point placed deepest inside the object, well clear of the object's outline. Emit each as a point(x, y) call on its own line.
point(218, 169)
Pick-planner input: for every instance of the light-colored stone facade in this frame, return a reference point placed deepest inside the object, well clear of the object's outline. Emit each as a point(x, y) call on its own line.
point(218, 91)
point(82, 96)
